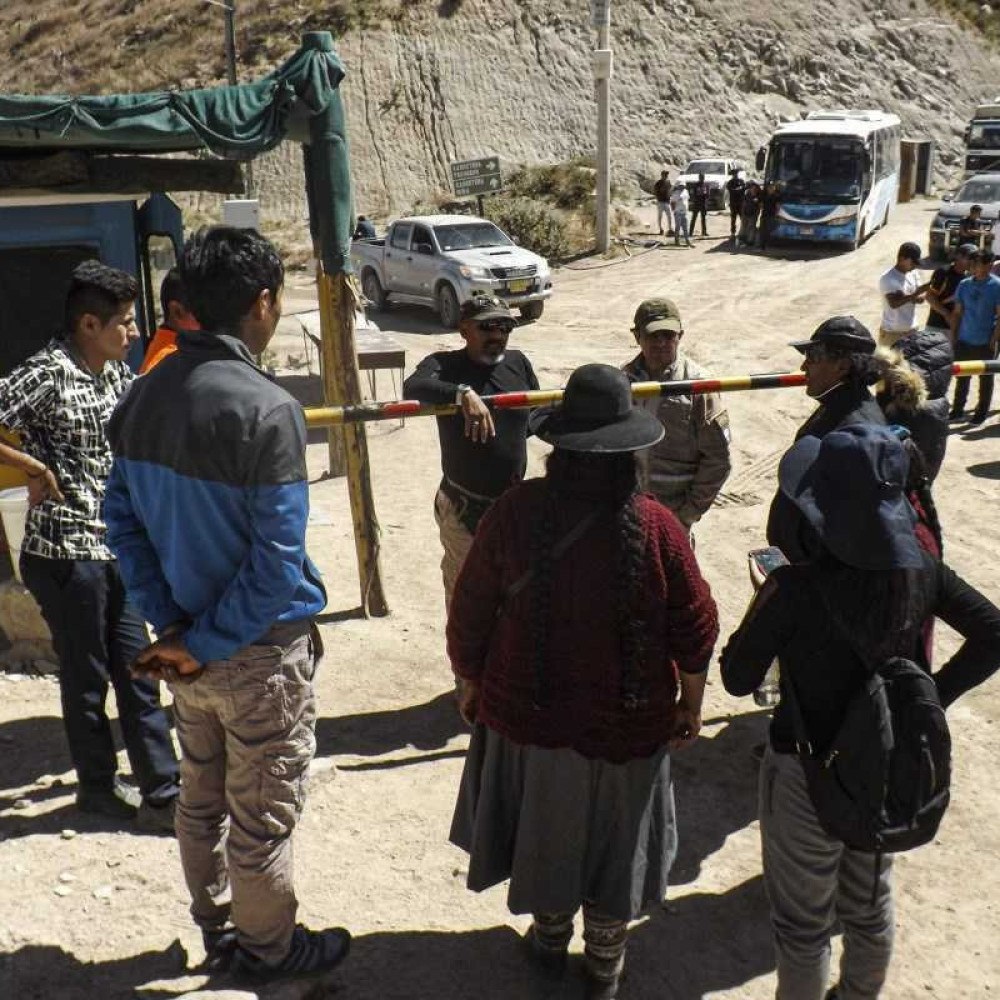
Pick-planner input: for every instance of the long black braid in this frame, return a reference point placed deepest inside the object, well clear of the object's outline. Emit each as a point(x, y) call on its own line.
point(614, 477)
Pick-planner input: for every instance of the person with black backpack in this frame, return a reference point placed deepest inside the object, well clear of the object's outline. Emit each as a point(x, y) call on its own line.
point(858, 763)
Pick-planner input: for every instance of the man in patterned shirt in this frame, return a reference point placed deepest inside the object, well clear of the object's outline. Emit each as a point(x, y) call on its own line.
point(59, 401)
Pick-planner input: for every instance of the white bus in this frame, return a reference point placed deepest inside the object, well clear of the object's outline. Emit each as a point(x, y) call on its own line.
point(837, 174)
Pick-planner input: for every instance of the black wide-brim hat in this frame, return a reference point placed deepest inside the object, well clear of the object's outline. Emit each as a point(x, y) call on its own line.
point(850, 486)
point(596, 415)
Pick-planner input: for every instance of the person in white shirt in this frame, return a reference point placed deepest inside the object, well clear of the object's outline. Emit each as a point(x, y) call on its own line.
point(679, 205)
point(901, 291)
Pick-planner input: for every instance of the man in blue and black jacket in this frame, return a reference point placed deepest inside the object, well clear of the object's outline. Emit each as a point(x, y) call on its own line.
point(206, 509)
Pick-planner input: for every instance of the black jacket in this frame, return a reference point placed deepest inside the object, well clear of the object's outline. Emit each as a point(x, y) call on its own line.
point(847, 403)
point(788, 620)
point(929, 352)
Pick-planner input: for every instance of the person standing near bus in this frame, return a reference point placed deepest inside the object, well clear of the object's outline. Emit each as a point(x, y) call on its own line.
point(661, 192)
point(901, 291)
point(679, 204)
point(699, 202)
point(975, 331)
point(736, 187)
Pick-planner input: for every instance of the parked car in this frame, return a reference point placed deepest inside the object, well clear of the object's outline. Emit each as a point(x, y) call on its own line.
point(982, 189)
point(716, 170)
point(443, 260)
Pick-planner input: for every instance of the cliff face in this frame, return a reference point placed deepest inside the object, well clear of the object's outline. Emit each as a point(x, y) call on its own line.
point(513, 77)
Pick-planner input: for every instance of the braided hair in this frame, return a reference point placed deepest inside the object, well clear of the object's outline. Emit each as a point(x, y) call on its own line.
point(614, 496)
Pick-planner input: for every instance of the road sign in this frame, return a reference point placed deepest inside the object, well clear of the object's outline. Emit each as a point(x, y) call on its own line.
point(600, 13)
point(480, 176)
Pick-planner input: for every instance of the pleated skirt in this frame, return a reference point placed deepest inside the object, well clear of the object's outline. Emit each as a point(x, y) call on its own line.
point(565, 829)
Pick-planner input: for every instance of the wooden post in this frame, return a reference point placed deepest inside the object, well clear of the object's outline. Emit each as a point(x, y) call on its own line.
point(338, 299)
point(333, 392)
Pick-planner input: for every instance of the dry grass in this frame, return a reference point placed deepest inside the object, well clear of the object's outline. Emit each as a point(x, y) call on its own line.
point(112, 46)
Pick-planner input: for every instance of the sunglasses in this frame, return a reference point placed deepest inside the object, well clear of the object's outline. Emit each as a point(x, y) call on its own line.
point(496, 326)
point(820, 353)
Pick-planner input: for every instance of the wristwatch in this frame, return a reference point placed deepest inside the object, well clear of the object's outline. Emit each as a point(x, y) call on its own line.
point(460, 390)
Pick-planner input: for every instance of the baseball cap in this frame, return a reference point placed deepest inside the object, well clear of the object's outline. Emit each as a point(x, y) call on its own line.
point(911, 251)
point(966, 249)
point(655, 315)
point(844, 333)
point(483, 307)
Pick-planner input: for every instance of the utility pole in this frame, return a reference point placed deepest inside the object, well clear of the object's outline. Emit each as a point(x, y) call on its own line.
point(600, 11)
point(230, 11)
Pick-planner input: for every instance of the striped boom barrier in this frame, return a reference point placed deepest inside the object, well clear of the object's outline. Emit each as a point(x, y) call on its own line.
point(325, 416)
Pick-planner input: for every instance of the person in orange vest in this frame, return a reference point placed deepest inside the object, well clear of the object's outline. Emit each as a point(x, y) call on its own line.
point(176, 317)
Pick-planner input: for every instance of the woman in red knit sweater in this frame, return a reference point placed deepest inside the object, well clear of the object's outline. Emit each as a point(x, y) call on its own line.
point(581, 631)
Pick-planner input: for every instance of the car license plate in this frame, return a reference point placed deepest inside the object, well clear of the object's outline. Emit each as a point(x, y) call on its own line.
point(807, 230)
point(519, 286)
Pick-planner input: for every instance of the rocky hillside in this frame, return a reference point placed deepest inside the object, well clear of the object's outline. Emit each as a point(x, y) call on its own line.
point(429, 83)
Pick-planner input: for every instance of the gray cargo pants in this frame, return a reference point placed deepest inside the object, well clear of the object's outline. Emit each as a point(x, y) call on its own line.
point(812, 881)
point(246, 728)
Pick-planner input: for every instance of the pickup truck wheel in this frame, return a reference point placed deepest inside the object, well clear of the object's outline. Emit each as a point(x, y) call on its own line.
point(373, 291)
point(447, 302)
point(531, 311)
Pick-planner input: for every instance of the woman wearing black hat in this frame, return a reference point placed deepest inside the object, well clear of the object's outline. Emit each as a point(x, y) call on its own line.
point(582, 629)
point(863, 597)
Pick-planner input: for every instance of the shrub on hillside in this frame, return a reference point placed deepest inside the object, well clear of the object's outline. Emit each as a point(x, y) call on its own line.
point(535, 226)
point(565, 185)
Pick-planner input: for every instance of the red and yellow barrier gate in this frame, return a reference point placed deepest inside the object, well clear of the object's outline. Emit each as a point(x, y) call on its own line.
point(325, 416)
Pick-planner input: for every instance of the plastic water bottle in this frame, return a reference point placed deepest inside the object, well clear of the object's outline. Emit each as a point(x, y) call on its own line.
point(769, 693)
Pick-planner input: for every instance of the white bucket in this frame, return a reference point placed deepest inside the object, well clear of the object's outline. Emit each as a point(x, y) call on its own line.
point(14, 511)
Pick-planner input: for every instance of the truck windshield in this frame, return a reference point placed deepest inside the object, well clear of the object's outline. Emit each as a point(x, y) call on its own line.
point(979, 191)
point(705, 167)
point(469, 236)
point(821, 167)
point(985, 136)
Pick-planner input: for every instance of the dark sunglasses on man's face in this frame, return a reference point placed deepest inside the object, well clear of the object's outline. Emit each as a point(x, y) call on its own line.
point(496, 326)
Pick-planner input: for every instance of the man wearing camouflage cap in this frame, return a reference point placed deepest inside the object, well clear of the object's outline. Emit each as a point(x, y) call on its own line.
point(688, 467)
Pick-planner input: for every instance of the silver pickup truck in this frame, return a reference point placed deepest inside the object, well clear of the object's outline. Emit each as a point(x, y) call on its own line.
point(443, 260)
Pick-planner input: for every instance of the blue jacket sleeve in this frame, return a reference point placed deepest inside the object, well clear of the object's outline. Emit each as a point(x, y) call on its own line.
point(278, 509)
point(137, 558)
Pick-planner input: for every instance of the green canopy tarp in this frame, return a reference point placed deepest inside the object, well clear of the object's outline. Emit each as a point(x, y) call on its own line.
point(299, 101)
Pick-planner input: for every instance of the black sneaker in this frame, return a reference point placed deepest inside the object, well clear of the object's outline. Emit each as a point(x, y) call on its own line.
point(117, 802)
point(956, 415)
point(311, 953)
point(977, 418)
point(157, 818)
point(834, 993)
point(220, 946)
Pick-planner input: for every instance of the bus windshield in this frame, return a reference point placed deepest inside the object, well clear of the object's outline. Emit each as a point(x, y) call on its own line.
point(819, 167)
point(985, 136)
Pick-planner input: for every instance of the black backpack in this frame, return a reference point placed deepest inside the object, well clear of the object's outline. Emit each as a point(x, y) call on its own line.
point(884, 783)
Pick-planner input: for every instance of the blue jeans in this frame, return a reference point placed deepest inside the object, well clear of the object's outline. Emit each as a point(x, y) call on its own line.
point(96, 634)
point(681, 227)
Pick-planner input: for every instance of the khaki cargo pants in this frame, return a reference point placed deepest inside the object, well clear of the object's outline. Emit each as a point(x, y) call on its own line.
point(456, 540)
point(246, 726)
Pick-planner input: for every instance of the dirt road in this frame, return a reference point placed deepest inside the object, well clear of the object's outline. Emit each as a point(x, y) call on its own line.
point(97, 915)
